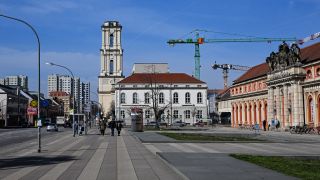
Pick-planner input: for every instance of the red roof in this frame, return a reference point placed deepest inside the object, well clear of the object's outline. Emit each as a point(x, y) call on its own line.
point(160, 78)
point(308, 54)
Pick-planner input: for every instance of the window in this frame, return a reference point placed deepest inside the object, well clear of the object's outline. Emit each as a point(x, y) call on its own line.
point(161, 98)
point(111, 40)
point(187, 86)
point(135, 98)
point(175, 114)
point(187, 114)
point(187, 99)
point(135, 86)
point(318, 71)
point(309, 74)
point(111, 67)
point(175, 85)
point(199, 98)
point(122, 98)
point(147, 114)
point(161, 86)
point(175, 98)
point(146, 98)
point(122, 114)
point(199, 114)
point(199, 86)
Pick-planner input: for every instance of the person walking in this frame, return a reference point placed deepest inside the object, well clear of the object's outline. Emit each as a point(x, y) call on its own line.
point(112, 125)
point(102, 127)
point(264, 123)
point(119, 127)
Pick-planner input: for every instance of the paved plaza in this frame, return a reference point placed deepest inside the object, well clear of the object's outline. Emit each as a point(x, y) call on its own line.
point(147, 155)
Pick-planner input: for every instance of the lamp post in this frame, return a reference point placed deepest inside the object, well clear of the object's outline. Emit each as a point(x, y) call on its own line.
point(38, 40)
point(74, 101)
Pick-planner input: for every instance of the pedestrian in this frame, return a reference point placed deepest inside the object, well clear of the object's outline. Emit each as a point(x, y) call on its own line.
point(119, 127)
point(112, 125)
point(102, 127)
point(264, 123)
point(277, 124)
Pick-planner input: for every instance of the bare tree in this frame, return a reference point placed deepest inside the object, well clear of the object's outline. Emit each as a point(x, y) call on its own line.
point(152, 97)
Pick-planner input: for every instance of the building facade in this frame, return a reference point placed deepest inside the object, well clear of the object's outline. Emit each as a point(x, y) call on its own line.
point(285, 88)
point(111, 59)
point(15, 81)
point(176, 96)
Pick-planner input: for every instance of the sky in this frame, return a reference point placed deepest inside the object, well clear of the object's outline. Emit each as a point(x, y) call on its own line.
point(70, 34)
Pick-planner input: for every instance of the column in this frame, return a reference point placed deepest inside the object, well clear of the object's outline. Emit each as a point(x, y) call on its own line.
point(278, 99)
point(270, 104)
point(252, 113)
point(232, 116)
point(285, 104)
point(103, 40)
point(243, 113)
point(301, 106)
point(295, 105)
point(239, 122)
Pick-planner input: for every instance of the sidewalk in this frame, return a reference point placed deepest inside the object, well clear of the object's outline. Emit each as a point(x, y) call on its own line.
point(87, 157)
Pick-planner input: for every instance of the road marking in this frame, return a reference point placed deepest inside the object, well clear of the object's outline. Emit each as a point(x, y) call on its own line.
point(125, 170)
point(152, 148)
point(181, 148)
point(24, 171)
point(202, 148)
point(59, 169)
point(61, 139)
point(92, 168)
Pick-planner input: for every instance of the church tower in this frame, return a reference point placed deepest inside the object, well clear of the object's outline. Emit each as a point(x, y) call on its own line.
point(111, 71)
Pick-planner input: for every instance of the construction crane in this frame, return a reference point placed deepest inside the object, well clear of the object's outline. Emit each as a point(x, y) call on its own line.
point(225, 70)
point(201, 40)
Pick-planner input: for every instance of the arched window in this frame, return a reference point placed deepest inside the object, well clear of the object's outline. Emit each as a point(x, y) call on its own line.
point(311, 111)
point(146, 98)
point(135, 98)
point(111, 67)
point(187, 98)
point(309, 74)
point(123, 98)
point(199, 98)
point(161, 98)
point(175, 98)
point(111, 38)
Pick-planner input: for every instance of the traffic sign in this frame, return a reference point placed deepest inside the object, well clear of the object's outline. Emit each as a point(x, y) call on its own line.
point(34, 103)
point(44, 103)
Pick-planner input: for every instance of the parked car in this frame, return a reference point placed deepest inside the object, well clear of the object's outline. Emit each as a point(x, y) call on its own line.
point(179, 123)
point(52, 127)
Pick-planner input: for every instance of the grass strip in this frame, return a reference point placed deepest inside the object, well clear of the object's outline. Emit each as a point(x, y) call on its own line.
point(308, 169)
point(201, 137)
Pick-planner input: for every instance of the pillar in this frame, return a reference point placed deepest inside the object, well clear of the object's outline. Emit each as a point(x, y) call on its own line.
point(285, 104)
point(270, 103)
point(278, 103)
point(295, 105)
point(301, 106)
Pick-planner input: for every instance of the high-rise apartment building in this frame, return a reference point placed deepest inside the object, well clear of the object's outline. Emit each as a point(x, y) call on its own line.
point(20, 80)
point(74, 87)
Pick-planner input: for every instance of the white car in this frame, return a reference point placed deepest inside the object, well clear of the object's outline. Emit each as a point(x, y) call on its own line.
point(52, 127)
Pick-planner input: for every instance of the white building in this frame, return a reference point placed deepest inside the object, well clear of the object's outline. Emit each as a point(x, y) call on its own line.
point(53, 83)
point(20, 80)
point(178, 95)
point(84, 95)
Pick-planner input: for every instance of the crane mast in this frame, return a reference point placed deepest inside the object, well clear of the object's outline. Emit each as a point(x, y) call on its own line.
point(225, 70)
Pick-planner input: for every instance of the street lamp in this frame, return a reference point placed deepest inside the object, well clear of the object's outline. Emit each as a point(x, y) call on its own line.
point(74, 101)
point(38, 40)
